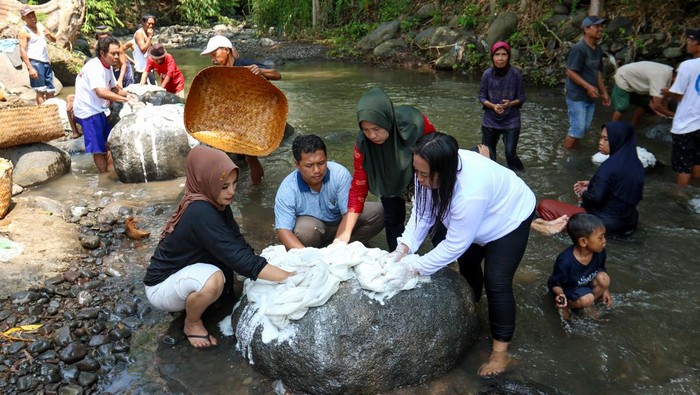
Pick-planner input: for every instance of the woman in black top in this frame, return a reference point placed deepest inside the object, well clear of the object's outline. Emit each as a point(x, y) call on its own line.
point(200, 243)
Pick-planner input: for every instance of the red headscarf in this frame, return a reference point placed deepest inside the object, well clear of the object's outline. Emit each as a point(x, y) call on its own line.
point(206, 170)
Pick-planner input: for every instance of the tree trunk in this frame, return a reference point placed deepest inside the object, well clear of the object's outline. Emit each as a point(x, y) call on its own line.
point(63, 18)
point(596, 8)
point(314, 14)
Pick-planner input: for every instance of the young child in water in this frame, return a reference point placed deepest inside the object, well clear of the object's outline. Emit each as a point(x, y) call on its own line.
point(579, 277)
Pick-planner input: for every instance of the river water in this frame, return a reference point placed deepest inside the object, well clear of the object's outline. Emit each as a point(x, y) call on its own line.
point(646, 343)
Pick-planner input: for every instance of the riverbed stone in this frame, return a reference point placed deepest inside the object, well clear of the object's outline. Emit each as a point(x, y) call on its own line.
point(352, 344)
point(502, 27)
point(73, 352)
point(385, 31)
point(150, 145)
point(37, 163)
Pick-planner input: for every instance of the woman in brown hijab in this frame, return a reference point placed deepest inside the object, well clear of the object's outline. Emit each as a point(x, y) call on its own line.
point(201, 245)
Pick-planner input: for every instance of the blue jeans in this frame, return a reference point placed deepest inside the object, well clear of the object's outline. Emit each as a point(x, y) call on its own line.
point(580, 117)
point(489, 137)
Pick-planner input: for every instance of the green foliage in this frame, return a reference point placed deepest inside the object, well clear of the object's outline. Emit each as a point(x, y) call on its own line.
point(100, 12)
point(471, 17)
point(289, 15)
point(392, 9)
point(201, 12)
point(473, 58)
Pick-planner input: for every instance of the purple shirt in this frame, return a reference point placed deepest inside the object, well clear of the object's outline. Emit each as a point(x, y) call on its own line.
point(495, 89)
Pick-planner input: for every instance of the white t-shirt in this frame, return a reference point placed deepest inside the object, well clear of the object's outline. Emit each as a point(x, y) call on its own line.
point(644, 78)
point(93, 75)
point(489, 201)
point(687, 118)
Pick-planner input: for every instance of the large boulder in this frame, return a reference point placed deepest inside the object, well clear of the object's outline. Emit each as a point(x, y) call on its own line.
point(35, 164)
point(150, 144)
point(385, 31)
point(354, 345)
point(502, 27)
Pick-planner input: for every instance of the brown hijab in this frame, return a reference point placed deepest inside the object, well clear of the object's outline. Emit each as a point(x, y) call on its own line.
point(206, 170)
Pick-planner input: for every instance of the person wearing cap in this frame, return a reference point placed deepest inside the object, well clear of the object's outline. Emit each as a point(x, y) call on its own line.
point(584, 80)
point(163, 63)
point(312, 200)
point(95, 88)
point(143, 39)
point(501, 95)
point(641, 84)
point(223, 53)
point(685, 131)
point(35, 55)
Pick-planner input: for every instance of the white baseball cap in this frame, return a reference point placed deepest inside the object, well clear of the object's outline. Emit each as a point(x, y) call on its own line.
point(215, 43)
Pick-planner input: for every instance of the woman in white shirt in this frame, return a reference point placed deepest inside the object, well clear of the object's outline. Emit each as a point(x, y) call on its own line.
point(475, 210)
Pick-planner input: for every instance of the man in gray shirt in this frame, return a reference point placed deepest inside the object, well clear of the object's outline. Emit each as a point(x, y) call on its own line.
point(312, 200)
point(584, 80)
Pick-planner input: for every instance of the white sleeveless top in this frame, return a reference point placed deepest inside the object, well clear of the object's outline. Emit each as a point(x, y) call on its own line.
point(139, 57)
point(36, 45)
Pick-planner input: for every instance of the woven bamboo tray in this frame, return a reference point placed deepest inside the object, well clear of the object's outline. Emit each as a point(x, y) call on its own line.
point(27, 125)
point(5, 186)
point(236, 111)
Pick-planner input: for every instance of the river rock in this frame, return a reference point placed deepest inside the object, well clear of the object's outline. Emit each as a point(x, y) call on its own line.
point(385, 31)
point(502, 27)
point(150, 145)
point(353, 344)
point(37, 163)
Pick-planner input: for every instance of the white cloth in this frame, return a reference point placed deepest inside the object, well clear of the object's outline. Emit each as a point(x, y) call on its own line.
point(139, 56)
point(319, 274)
point(644, 78)
point(36, 45)
point(489, 201)
point(93, 75)
point(687, 118)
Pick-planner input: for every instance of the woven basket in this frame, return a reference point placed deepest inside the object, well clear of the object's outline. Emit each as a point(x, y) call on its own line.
point(5, 186)
point(236, 111)
point(26, 125)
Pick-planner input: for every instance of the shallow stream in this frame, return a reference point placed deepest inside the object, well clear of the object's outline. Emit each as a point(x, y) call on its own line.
point(647, 343)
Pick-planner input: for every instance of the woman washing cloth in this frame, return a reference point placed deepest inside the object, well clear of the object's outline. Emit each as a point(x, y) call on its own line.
point(383, 161)
point(476, 210)
point(201, 245)
point(615, 190)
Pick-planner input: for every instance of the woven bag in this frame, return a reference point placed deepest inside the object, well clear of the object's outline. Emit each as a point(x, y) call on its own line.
point(236, 111)
point(27, 125)
point(5, 186)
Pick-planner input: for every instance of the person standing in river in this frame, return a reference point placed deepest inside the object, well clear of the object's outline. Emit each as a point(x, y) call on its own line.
point(223, 53)
point(143, 39)
point(685, 156)
point(502, 94)
point(584, 80)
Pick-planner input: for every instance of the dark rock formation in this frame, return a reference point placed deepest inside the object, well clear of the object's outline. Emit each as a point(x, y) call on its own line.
point(354, 345)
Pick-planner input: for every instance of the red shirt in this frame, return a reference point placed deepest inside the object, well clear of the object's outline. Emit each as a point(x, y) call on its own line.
point(168, 69)
point(358, 186)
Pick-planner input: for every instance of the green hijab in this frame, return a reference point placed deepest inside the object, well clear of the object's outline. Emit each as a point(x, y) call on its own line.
point(389, 166)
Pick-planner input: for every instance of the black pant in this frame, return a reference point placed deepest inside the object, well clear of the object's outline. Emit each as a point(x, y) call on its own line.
point(489, 137)
point(394, 219)
point(501, 258)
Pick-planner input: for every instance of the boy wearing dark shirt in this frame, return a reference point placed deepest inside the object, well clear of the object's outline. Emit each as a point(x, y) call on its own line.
point(579, 277)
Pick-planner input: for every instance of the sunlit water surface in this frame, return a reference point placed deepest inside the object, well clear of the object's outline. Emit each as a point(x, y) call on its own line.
point(647, 343)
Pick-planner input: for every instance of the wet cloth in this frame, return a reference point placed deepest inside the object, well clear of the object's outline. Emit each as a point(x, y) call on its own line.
point(319, 274)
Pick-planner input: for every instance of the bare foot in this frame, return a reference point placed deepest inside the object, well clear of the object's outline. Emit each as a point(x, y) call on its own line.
point(550, 228)
point(497, 363)
point(198, 336)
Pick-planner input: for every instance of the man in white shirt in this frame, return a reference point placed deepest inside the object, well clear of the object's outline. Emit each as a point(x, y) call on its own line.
point(95, 88)
point(685, 155)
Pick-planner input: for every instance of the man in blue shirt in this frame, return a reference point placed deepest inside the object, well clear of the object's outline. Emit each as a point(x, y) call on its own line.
point(312, 200)
point(584, 80)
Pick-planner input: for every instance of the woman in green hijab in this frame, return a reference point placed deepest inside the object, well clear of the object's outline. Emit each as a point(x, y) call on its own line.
point(383, 161)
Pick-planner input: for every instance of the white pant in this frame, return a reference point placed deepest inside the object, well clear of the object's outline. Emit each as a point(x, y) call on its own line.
point(171, 294)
